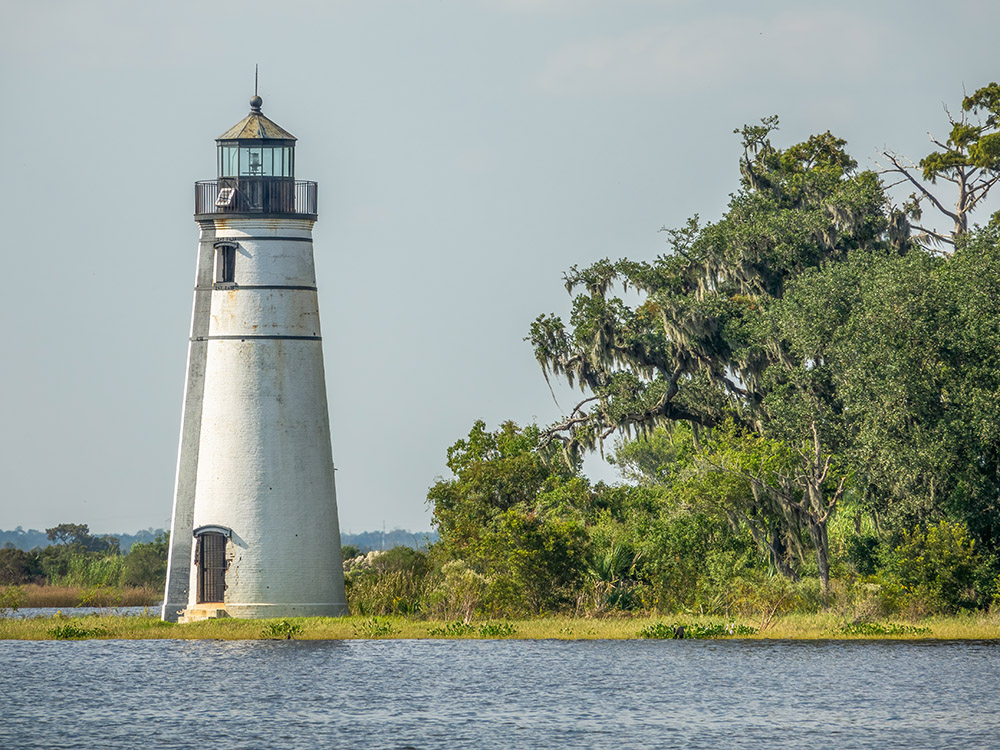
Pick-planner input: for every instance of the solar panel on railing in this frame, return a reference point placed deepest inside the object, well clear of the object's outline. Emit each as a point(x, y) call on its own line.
point(226, 196)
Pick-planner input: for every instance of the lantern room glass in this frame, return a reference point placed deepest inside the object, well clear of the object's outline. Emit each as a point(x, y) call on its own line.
point(236, 160)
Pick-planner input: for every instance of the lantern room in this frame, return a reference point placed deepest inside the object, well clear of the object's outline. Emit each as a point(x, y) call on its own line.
point(256, 147)
point(256, 172)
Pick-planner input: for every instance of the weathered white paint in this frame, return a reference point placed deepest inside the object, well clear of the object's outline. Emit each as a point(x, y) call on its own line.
point(179, 558)
point(261, 464)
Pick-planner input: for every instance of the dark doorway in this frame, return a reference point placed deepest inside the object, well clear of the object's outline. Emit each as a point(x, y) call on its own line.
point(211, 558)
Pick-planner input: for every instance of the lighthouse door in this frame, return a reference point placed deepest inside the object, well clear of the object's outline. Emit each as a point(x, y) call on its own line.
point(211, 557)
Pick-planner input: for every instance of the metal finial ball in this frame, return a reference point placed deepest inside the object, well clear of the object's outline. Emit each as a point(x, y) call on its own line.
point(255, 103)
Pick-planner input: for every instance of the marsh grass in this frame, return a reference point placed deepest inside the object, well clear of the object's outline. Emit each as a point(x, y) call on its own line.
point(91, 596)
point(795, 627)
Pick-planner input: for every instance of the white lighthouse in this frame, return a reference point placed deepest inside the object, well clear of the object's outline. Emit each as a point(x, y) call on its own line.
point(255, 530)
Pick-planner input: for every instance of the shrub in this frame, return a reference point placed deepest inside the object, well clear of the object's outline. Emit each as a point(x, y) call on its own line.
point(459, 594)
point(936, 566)
point(146, 563)
point(386, 583)
point(12, 598)
point(389, 593)
point(17, 566)
point(861, 552)
point(869, 597)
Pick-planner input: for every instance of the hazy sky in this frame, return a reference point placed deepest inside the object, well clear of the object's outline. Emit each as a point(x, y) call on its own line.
point(467, 153)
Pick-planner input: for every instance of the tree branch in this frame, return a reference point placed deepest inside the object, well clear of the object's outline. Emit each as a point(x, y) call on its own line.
point(901, 170)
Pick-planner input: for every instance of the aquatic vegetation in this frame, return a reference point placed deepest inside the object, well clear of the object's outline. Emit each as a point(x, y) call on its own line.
point(281, 630)
point(879, 628)
point(497, 630)
point(456, 629)
point(678, 630)
point(374, 628)
point(71, 631)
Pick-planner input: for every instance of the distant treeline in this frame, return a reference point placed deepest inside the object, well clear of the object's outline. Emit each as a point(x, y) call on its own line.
point(29, 539)
point(363, 541)
point(68, 555)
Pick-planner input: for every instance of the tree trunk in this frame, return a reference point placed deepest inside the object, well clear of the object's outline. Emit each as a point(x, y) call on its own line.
point(819, 536)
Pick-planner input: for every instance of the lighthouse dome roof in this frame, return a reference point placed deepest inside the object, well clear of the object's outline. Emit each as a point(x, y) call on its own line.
point(255, 126)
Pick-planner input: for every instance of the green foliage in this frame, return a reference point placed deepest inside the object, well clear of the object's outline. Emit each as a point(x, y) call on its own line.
point(514, 518)
point(877, 628)
point(100, 596)
point(936, 566)
point(71, 631)
point(17, 566)
point(969, 159)
point(92, 570)
point(495, 471)
point(497, 630)
point(386, 593)
point(656, 457)
point(614, 576)
point(66, 533)
point(146, 563)
point(73, 565)
point(713, 344)
point(457, 629)
point(78, 534)
point(385, 583)
point(797, 387)
point(677, 630)
point(374, 628)
point(459, 593)
point(12, 598)
point(281, 630)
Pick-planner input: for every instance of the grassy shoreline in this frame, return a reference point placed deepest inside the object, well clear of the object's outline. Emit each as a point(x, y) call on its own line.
point(791, 627)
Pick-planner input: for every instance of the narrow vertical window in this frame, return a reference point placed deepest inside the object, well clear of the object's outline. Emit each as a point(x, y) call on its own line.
point(225, 263)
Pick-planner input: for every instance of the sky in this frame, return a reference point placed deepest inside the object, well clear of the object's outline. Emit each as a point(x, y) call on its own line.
point(468, 152)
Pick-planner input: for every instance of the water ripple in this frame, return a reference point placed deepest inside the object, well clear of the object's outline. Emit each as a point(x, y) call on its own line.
point(516, 694)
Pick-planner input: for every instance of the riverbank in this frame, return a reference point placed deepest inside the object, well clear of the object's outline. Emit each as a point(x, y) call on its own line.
point(793, 627)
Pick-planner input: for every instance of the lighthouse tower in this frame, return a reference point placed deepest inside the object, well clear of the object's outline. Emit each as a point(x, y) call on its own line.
point(255, 530)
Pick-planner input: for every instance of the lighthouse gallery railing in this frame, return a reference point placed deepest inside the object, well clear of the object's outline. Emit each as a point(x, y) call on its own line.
point(255, 196)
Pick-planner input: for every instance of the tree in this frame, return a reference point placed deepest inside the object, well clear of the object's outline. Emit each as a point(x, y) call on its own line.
point(692, 528)
point(969, 159)
point(512, 517)
point(17, 566)
point(918, 373)
point(146, 562)
point(69, 533)
point(707, 344)
point(79, 534)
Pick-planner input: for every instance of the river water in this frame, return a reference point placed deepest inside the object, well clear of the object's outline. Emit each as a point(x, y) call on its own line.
point(499, 694)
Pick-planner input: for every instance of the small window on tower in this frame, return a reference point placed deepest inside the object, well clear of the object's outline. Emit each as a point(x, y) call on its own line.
point(225, 264)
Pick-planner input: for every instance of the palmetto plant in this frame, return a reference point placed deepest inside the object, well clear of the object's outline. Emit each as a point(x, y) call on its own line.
point(613, 575)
